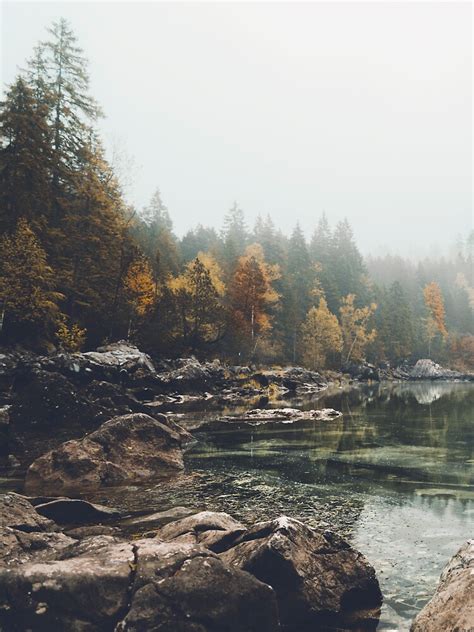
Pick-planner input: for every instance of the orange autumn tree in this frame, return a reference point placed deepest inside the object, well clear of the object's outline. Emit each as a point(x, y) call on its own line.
point(251, 296)
point(356, 334)
point(436, 320)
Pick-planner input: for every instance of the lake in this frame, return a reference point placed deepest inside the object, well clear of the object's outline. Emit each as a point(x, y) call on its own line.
point(395, 475)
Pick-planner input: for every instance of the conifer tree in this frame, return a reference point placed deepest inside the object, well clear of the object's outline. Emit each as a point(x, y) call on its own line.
point(29, 301)
point(25, 160)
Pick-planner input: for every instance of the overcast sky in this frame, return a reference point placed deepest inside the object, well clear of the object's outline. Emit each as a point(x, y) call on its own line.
point(362, 110)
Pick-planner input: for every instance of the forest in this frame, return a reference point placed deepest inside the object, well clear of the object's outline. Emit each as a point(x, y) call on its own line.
point(79, 266)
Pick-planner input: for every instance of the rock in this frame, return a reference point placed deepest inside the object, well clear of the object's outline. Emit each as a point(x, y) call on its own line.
point(451, 609)
point(131, 448)
point(319, 580)
point(157, 519)
point(75, 511)
point(429, 370)
point(186, 588)
point(298, 378)
point(363, 372)
point(18, 547)
point(84, 588)
point(191, 376)
point(16, 512)
point(79, 533)
point(101, 584)
point(215, 531)
point(258, 416)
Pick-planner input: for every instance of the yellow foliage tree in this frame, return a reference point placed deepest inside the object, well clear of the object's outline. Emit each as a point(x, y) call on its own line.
point(251, 294)
point(354, 325)
point(140, 289)
point(321, 336)
point(435, 322)
point(197, 294)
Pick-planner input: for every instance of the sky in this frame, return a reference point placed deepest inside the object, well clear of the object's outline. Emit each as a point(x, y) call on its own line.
point(360, 110)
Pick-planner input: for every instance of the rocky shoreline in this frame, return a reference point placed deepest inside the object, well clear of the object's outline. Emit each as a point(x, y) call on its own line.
point(100, 419)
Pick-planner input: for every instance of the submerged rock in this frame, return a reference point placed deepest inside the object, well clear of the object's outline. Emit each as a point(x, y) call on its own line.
point(451, 609)
point(321, 582)
point(126, 449)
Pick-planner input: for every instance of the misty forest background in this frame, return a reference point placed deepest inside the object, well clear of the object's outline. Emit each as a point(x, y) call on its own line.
point(79, 266)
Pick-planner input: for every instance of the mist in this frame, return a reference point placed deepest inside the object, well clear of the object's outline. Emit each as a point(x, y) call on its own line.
point(359, 110)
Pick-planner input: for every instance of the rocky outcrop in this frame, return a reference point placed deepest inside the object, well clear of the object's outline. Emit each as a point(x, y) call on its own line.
point(131, 448)
point(362, 372)
point(451, 609)
point(18, 513)
point(320, 581)
point(258, 416)
point(203, 573)
point(429, 370)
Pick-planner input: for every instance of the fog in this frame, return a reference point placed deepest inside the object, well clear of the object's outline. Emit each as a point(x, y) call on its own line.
point(362, 110)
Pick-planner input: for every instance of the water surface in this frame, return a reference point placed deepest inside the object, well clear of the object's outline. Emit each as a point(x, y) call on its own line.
point(395, 474)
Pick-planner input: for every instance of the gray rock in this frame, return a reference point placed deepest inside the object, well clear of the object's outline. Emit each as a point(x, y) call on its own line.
point(185, 588)
point(18, 513)
point(100, 584)
point(451, 609)
point(131, 448)
point(258, 416)
point(319, 579)
point(429, 370)
point(215, 531)
point(157, 519)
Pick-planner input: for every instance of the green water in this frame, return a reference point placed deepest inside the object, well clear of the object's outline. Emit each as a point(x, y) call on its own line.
point(395, 474)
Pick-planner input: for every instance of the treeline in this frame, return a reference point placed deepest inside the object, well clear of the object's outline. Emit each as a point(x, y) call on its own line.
point(78, 266)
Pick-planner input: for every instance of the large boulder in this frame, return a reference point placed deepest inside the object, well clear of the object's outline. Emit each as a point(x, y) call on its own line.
point(429, 370)
point(131, 448)
point(451, 609)
point(103, 584)
point(192, 376)
point(320, 581)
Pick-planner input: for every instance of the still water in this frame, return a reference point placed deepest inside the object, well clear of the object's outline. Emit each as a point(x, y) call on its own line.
point(395, 474)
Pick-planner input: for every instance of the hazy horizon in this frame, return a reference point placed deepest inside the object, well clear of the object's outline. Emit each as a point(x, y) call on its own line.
point(361, 110)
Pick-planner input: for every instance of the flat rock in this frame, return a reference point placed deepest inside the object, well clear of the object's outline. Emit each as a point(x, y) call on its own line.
point(319, 579)
point(156, 519)
point(451, 609)
point(75, 511)
point(126, 449)
point(258, 416)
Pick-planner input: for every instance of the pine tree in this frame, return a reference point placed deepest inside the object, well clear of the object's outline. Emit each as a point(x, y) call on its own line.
point(234, 238)
point(25, 160)
point(28, 297)
point(321, 336)
point(140, 290)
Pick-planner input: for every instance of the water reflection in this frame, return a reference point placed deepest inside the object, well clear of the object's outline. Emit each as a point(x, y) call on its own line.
point(398, 465)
